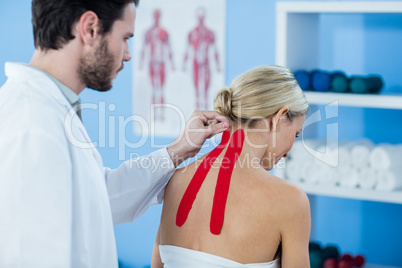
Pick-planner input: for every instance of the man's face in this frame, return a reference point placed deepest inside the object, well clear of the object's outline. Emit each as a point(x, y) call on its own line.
point(98, 70)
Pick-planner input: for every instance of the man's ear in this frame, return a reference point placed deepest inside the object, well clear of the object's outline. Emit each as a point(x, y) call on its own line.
point(277, 117)
point(88, 28)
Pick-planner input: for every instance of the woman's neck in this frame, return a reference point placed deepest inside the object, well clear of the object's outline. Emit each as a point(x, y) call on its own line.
point(254, 148)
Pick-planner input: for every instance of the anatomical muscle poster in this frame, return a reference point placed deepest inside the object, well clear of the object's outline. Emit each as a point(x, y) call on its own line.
point(178, 62)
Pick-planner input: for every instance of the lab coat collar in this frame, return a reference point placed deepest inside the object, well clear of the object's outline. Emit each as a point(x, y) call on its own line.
point(23, 71)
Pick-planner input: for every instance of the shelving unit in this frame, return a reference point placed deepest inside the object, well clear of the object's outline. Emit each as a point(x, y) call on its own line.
point(377, 196)
point(356, 100)
point(298, 48)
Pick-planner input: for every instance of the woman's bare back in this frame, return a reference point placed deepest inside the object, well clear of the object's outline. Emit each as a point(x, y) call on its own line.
point(257, 206)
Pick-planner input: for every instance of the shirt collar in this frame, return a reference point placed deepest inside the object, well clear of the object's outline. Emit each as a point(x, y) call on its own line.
point(70, 95)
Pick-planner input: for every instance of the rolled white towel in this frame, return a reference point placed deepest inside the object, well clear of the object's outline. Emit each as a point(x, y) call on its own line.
point(309, 172)
point(329, 175)
point(385, 156)
point(389, 180)
point(328, 155)
point(301, 149)
point(348, 177)
point(345, 157)
point(317, 172)
point(360, 154)
point(368, 178)
point(292, 170)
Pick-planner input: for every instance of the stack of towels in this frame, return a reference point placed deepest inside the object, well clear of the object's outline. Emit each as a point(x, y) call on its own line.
point(359, 164)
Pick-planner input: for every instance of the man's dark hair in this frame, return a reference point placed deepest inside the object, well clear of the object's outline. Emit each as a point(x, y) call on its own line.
point(52, 20)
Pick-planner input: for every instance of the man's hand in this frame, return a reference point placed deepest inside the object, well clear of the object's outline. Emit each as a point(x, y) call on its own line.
point(201, 126)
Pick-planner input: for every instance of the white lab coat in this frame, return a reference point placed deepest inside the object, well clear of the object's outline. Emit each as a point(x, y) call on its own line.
point(58, 203)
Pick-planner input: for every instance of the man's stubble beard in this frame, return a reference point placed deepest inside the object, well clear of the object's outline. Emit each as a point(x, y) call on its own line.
point(96, 71)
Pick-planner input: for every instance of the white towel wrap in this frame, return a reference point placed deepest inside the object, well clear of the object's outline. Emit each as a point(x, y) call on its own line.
point(178, 257)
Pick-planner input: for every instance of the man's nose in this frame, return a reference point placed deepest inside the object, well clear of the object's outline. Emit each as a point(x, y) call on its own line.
point(127, 54)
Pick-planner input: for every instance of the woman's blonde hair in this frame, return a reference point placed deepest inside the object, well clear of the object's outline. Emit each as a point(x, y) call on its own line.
point(260, 93)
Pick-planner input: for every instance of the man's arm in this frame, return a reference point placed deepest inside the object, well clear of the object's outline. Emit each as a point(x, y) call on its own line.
point(139, 183)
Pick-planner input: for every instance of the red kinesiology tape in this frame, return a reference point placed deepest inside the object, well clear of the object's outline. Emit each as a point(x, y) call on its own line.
point(222, 185)
point(189, 196)
point(223, 182)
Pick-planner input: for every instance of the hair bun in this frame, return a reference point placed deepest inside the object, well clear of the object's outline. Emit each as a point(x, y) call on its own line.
point(223, 102)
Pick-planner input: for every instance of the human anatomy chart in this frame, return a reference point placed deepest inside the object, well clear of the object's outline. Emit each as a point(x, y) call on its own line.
point(178, 62)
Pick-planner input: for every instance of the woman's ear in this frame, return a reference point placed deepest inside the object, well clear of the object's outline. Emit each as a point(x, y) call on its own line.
point(88, 28)
point(277, 117)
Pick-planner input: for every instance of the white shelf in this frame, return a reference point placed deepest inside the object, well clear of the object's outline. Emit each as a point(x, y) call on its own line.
point(340, 7)
point(297, 29)
point(356, 100)
point(377, 196)
point(300, 46)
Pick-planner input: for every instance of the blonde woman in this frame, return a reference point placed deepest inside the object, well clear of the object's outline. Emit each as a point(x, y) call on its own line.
point(227, 210)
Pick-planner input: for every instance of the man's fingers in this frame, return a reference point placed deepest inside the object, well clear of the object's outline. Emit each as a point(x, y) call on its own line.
point(212, 122)
point(213, 115)
point(210, 115)
point(218, 128)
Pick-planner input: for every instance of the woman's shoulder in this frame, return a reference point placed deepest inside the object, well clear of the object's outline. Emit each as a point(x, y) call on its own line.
point(183, 175)
point(186, 170)
point(285, 194)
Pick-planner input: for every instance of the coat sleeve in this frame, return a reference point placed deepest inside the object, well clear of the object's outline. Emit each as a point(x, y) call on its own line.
point(35, 201)
point(137, 184)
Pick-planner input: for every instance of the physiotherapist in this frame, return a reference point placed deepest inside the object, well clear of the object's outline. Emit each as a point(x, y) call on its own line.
point(58, 204)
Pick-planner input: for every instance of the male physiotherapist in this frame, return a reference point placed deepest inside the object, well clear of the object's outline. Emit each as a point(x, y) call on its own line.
point(58, 203)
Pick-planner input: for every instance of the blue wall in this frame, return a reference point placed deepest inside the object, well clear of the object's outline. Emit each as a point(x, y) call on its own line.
point(370, 228)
